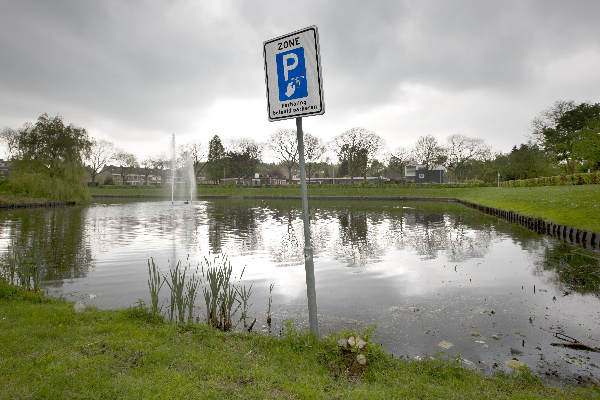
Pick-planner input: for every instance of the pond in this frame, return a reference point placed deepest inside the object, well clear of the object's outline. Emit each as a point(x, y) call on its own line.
point(424, 273)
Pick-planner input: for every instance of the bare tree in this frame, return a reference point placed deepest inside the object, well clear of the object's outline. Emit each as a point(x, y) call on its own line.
point(10, 138)
point(159, 163)
point(126, 162)
point(462, 150)
point(101, 153)
point(314, 149)
point(356, 147)
point(147, 166)
point(429, 152)
point(284, 143)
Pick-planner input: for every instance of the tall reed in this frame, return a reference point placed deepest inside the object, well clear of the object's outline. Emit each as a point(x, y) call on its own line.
point(177, 285)
point(271, 286)
point(220, 293)
point(191, 290)
point(244, 292)
point(155, 283)
point(222, 296)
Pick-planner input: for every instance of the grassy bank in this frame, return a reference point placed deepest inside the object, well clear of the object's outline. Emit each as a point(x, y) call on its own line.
point(9, 198)
point(577, 206)
point(49, 351)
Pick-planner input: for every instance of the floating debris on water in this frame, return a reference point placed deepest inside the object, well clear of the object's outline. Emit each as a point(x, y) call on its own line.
point(515, 364)
point(445, 345)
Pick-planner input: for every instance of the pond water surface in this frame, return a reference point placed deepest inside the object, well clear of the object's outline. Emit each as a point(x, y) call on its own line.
point(423, 272)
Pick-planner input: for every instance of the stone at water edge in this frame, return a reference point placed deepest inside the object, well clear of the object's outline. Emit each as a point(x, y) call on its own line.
point(360, 343)
point(343, 343)
point(361, 359)
point(351, 341)
point(79, 307)
point(445, 344)
point(515, 364)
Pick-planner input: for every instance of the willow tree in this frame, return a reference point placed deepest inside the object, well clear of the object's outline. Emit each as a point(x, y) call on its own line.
point(48, 159)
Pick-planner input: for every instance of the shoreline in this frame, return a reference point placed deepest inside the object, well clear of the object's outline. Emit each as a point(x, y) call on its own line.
point(43, 204)
point(50, 349)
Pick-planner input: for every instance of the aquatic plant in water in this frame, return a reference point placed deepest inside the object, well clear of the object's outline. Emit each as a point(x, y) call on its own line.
point(271, 286)
point(244, 292)
point(176, 283)
point(155, 283)
point(222, 296)
point(191, 289)
point(24, 266)
point(220, 293)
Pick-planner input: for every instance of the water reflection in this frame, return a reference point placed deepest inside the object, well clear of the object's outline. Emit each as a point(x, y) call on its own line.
point(573, 269)
point(355, 234)
point(58, 237)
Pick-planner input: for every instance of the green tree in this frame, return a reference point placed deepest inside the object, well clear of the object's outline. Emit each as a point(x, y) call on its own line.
point(587, 147)
point(244, 158)
point(398, 160)
point(48, 159)
point(558, 130)
point(376, 168)
point(216, 159)
point(356, 147)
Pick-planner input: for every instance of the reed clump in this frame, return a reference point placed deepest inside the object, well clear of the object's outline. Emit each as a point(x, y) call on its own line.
point(220, 292)
point(224, 294)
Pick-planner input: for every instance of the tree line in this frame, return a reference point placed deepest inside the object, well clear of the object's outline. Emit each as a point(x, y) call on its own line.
point(565, 138)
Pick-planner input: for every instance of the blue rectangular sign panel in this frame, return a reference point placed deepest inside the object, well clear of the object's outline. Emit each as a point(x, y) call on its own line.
point(291, 74)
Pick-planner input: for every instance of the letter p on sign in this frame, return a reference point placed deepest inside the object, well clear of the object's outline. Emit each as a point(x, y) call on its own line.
point(291, 74)
point(287, 66)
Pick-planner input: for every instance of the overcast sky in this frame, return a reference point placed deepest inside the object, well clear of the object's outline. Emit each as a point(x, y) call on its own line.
point(134, 72)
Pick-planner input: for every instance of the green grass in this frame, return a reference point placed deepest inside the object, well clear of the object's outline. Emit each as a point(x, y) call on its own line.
point(49, 351)
point(577, 206)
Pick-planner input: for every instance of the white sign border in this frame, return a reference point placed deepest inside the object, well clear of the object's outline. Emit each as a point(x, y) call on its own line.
point(319, 75)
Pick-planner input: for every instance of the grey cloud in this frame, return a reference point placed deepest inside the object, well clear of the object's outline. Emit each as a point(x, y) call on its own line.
point(143, 64)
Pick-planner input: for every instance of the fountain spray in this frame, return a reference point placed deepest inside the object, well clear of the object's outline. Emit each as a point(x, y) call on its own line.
point(172, 166)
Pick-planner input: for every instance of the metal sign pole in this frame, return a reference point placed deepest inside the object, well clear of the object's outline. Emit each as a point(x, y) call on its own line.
point(308, 252)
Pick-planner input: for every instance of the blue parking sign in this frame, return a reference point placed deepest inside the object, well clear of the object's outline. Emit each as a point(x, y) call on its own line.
point(291, 74)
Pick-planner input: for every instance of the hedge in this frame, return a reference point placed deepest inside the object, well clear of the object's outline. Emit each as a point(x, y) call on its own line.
point(592, 178)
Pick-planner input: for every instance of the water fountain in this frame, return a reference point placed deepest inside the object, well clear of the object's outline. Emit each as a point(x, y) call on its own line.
point(172, 166)
point(189, 174)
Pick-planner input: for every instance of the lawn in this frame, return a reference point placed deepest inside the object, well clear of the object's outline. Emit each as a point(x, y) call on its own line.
point(577, 206)
point(47, 350)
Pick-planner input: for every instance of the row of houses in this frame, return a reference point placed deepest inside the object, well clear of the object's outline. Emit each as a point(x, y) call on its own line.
point(261, 180)
point(111, 174)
